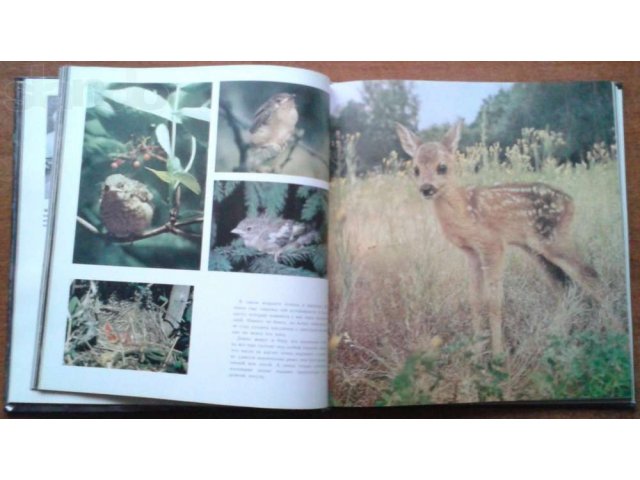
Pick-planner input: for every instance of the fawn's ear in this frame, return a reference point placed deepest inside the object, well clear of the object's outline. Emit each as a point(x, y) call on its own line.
point(452, 137)
point(409, 140)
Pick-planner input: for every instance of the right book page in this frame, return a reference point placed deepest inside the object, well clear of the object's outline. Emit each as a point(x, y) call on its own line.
point(478, 244)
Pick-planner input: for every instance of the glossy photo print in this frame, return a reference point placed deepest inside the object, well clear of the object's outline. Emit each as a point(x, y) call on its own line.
point(268, 127)
point(130, 326)
point(477, 245)
point(269, 228)
point(144, 161)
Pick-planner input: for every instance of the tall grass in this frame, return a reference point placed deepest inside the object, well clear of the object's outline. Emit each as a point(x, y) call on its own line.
point(400, 317)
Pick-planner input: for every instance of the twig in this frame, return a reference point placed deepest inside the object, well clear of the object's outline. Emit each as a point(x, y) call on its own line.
point(314, 153)
point(182, 233)
point(173, 346)
point(233, 122)
point(88, 226)
point(294, 144)
point(168, 227)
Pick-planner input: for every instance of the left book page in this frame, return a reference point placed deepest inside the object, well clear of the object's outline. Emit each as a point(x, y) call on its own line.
point(36, 116)
point(188, 243)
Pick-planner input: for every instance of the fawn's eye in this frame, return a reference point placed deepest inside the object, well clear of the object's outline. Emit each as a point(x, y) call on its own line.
point(442, 169)
point(416, 171)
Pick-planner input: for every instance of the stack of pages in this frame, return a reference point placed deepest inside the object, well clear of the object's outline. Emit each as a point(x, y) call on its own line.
point(259, 236)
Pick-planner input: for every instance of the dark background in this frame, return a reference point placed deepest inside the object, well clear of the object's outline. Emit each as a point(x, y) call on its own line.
point(627, 73)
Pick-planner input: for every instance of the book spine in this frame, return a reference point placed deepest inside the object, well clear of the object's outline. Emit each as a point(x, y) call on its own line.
point(55, 169)
point(17, 154)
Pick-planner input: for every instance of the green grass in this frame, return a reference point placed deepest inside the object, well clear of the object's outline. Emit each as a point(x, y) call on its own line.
point(399, 299)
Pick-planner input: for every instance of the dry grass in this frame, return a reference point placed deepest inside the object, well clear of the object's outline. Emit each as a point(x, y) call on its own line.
point(399, 310)
point(122, 334)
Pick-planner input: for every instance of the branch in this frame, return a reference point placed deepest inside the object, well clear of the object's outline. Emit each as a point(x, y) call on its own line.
point(298, 143)
point(294, 144)
point(166, 228)
point(233, 123)
point(313, 153)
point(88, 226)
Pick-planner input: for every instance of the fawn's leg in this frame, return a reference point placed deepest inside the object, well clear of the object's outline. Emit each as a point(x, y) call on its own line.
point(476, 290)
point(493, 266)
point(556, 277)
point(568, 260)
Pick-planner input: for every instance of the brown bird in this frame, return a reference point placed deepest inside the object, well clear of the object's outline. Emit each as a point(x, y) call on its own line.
point(275, 235)
point(125, 206)
point(274, 125)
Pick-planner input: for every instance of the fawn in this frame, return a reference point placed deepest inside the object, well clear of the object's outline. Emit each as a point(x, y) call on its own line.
point(483, 221)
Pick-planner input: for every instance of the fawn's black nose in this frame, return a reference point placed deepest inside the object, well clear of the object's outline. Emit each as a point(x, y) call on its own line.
point(428, 190)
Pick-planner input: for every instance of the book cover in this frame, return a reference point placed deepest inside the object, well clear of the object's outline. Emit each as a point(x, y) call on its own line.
point(257, 236)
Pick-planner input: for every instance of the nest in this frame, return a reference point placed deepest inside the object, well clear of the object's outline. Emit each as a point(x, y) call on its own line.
point(122, 334)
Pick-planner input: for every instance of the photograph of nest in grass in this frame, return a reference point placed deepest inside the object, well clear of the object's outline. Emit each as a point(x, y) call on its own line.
point(130, 326)
point(272, 228)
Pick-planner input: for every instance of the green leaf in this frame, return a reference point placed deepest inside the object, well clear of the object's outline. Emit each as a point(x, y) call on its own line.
point(269, 198)
point(162, 134)
point(224, 189)
point(199, 113)
point(174, 165)
point(104, 109)
point(314, 205)
point(95, 92)
point(162, 175)
point(184, 178)
point(94, 127)
point(74, 303)
point(144, 100)
point(220, 263)
point(188, 181)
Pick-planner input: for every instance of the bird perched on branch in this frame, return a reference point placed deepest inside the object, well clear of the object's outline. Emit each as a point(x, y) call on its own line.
point(125, 206)
point(274, 125)
point(275, 235)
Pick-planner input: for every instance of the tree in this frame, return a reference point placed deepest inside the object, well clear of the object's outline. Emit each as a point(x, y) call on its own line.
point(582, 112)
point(383, 104)
point(386, 103)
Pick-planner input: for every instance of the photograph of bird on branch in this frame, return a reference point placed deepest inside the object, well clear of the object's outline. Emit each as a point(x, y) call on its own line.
point(268, 127)
point(272, 228)
point(144, 161)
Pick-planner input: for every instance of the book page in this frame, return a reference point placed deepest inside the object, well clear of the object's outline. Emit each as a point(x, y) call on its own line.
point(478, 244)
point(37, 120)
point(188, 250)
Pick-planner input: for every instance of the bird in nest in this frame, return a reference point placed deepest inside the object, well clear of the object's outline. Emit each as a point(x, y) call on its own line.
point(275, 235)
point(126, 207)
point(274, 125)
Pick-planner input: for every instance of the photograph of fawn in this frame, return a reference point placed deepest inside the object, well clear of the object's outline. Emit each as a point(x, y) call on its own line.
point(476, 244)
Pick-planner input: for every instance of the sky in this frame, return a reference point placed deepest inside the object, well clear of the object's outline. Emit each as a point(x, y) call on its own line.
point(440, 102)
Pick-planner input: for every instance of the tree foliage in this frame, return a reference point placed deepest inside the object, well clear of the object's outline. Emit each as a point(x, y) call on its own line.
point(155, 134)
point(235, 201)
point(383, 104)
point(581, 112)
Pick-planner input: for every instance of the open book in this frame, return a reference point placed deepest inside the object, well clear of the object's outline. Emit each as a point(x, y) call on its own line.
point(260, 236)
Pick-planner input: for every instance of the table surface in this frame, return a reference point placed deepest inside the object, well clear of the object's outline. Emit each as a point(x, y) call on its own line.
point(626, 73)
